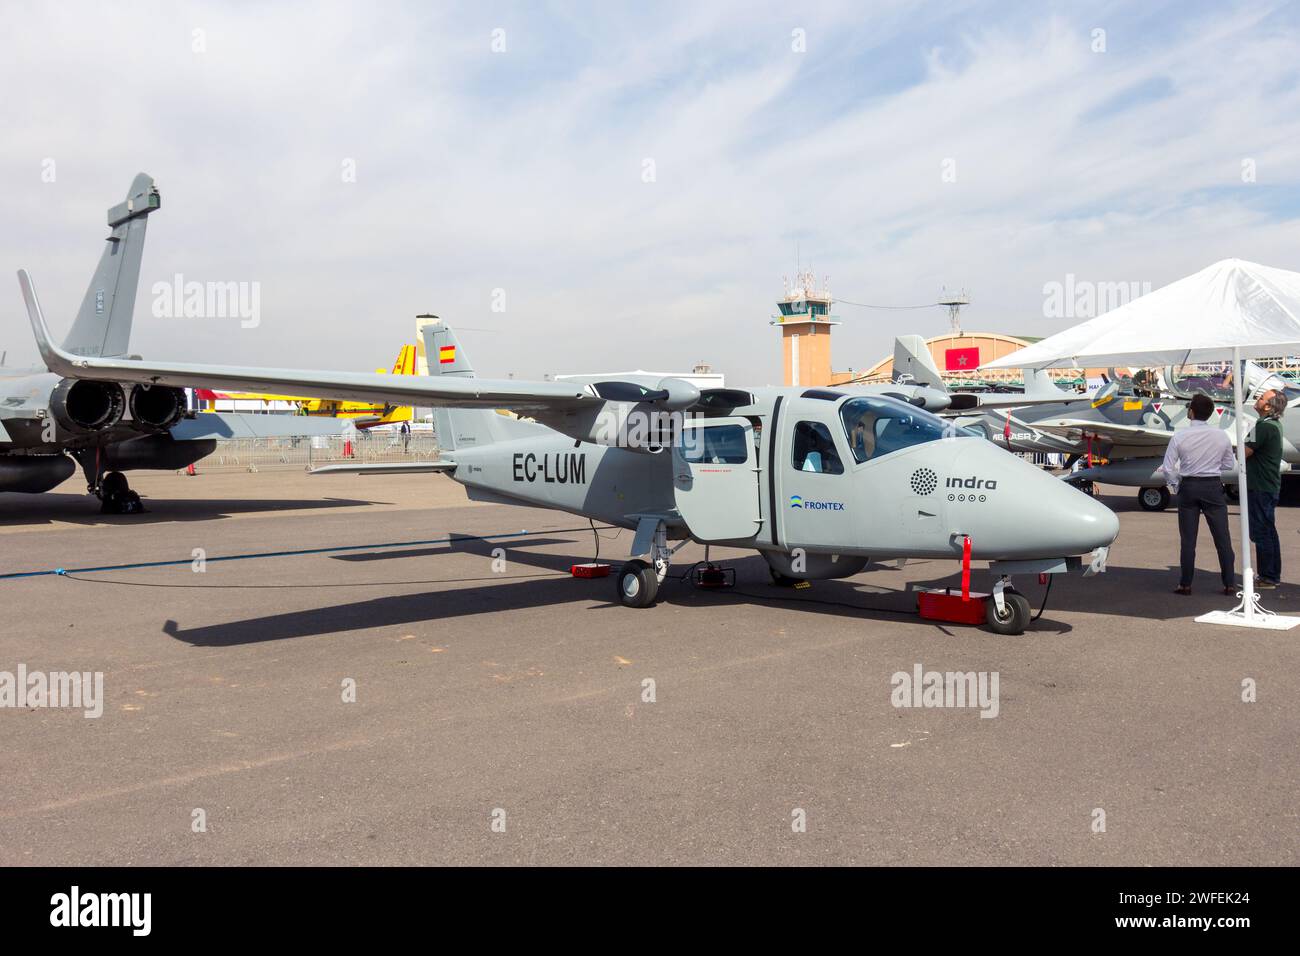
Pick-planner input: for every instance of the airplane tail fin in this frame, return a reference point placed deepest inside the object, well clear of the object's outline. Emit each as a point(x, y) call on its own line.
point(103, 323)
point(1038, 384)
point(465, 427)
point(405, 364)
point(913, 363)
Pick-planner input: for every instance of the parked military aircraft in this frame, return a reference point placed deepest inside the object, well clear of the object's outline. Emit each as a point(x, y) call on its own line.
point(1127, 433)
point(1135, 450)
point(820, 481)
point(50, 424)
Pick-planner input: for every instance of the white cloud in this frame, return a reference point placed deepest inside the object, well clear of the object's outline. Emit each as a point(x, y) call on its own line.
point(523, 170)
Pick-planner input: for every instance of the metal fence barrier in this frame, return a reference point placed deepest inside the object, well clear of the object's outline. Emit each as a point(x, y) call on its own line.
point(267, 454)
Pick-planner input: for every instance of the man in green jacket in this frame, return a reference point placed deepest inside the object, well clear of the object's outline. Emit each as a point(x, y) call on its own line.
point(1263, 484)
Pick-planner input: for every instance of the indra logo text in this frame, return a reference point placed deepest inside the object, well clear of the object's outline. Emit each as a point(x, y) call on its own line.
point(968, 486)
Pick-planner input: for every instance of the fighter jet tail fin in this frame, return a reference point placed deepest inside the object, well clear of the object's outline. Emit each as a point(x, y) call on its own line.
point(1038, 384)
point(103, 324)
point(465, 427)
point(913, 363)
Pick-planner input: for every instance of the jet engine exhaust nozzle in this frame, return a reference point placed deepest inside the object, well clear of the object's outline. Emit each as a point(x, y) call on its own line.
point(156, 407)
point(82, 406)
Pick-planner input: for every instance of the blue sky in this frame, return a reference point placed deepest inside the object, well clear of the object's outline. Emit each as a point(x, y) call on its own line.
point(522, 170)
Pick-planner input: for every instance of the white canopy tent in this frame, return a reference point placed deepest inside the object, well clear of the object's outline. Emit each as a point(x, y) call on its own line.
point(1233, 310)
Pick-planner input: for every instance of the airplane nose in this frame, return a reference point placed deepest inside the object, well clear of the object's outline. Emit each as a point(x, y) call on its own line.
point(1079, 523)
point(1029, 514)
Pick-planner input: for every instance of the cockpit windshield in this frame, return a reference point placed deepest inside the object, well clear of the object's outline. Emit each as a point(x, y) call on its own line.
point(876, 427)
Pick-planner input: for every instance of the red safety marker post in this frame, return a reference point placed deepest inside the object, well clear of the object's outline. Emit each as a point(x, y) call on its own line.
point(965, 568)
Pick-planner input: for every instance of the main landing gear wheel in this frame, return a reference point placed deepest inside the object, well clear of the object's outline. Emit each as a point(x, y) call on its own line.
point(117, 496)
point(1153, 499)
point(638, 585)
point(1014, 616)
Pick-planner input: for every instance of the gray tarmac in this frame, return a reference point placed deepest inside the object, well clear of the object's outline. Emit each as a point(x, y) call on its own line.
point(494, 688)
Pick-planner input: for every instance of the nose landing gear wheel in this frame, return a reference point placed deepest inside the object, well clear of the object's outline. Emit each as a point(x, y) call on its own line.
point(1153, 499)
point(1014, 616)
point(638, 585)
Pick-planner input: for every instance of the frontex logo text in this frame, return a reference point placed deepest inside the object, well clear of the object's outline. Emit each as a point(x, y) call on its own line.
point(808, 504)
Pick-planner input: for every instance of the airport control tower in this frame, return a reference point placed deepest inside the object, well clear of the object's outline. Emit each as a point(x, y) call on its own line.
point(805, 320)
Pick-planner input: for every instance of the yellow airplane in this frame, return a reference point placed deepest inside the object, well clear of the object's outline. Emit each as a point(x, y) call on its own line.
point(362, 414)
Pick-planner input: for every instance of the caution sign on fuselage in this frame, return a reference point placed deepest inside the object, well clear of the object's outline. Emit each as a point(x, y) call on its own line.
point(564, 467)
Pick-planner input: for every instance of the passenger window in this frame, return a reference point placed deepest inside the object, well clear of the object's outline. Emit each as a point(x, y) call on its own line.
point(814, 449)
point(715, 445)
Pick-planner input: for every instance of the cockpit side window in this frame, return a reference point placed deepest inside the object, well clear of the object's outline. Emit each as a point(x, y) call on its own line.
point(814, 449)
point(876, 427)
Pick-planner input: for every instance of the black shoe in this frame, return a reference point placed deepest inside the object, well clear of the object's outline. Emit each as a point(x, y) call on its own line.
point(1183, 589)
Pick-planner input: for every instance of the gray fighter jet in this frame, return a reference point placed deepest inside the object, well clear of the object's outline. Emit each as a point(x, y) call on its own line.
point(1134, 450)
point(820, 481)
point(50, 424)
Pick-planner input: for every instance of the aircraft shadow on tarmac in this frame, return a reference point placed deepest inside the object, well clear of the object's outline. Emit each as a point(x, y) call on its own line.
point(1131, 593)
point(19, 510)
point(472, 544)
point(553, 587)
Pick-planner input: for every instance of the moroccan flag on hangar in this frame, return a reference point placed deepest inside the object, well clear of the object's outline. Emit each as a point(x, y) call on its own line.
point(961, 360)
point(446, 354)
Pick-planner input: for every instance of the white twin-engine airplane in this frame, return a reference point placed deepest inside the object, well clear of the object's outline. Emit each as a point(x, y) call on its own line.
point(837, 476)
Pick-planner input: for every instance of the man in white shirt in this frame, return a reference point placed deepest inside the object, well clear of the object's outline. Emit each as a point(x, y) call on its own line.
point(1194, 465)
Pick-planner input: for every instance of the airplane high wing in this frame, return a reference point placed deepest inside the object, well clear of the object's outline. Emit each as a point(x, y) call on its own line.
point(444, 391)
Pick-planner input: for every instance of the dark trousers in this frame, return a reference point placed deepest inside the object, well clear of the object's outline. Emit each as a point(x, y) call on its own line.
point(1263, 531)
point(1204, 496)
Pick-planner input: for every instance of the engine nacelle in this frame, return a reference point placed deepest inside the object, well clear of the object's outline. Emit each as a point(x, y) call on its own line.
point(644, 427)
point(81, 406)
point(156, 407)
point(33, 474)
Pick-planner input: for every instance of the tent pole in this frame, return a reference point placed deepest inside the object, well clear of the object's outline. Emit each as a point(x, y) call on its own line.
point(1248, 597)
